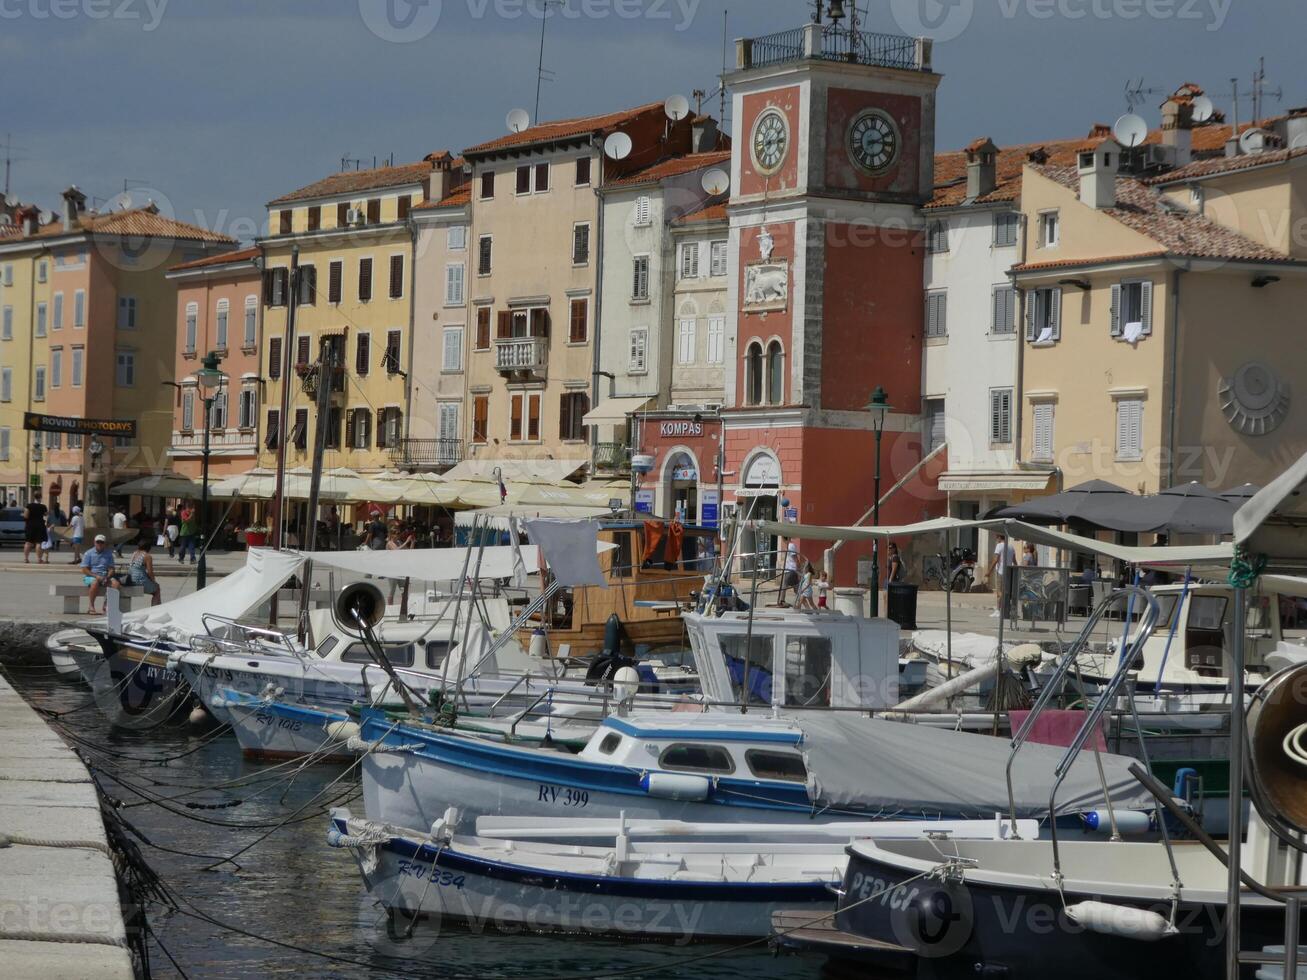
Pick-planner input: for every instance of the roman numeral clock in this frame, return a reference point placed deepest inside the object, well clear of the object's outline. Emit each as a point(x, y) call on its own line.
point(873, 141)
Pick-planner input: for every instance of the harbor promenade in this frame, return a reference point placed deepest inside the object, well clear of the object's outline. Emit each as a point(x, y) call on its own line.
point(60, 916)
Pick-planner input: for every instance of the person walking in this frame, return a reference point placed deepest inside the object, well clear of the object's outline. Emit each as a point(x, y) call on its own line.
point(34, 533)
point(78, 525)
point(172, 530)
point(1005, 557)
point(805, 589)
point(140, 571)
point(790, 579)
point(894, 570)
point(187, 530)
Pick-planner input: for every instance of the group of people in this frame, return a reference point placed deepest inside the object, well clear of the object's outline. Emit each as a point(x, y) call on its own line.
point(39, 523)
point(99, 571)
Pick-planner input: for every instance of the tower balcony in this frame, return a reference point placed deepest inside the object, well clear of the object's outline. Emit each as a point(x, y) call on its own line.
point(834, 43)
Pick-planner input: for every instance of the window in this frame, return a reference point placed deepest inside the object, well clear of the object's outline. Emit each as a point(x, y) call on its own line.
point(578, 320)
point(581, 244)
point(642, 214)
point(342, 214)
point(392, 351)
point(716, 338)
point(639, 351)
point(8, 274)
point(276, 286)
point(4, 444)
point(1042, 444)
point(6, 384)
point(480, 418)
point(696, 757)
point(7, 323)
point(775, 373)
point(452, 349)
point(396, 276)
point(1006, 226)
point(335, 277)
point(1050, 229)
point(1004, 313)
point(937, 313)
point(359, 428)
point(218, 411)
point(389, 427)
point(303, 349)
point(1129, 429)
point(640, 277)
point(58, 311)
point(524, 416)
point(402, 205)
point(273, 429)
point(1132, 309)
point(188, 411)
point(79, 308)
point(274, 358)
point(249, 407)
point(250, 336)
point(937, 237)
point(365, 280)
point(56, 367)
point(582, 171)
point(126, 312)
point(685, 340)
point(753, 374)
point(40, 319)
point(1044, 315)
point(456, 238)
point(362, 354)
point(688, 265)
point(487, 185)
point(283, 221)
point(315, 217)
point(935, 433)
point(38, 383)
point(447, 427)
point(454, 284)
point(192, 326)
point(79, 365)
point(717, 259)
point(524, 179)
point(42, 271)
point(308, 285)
point(610, 743)
point(299, 433)
point(224, 310)
point(126, 369)
point(484, 247)
point(374, 211)
point(1000, 416)
point(807, 671)
point(542, 177)
point(787, 766)
point(483, 328)
point(572, 407)
point(54, 440)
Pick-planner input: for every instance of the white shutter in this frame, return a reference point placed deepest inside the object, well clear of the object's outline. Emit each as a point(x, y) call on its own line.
point(449, 421)
point(1055, 312)
point(6, 384)
point(642, 211)
point(188, 410)
point(716, 337)
point(1146, 306)
point(1129, 429)
point(1000, 415)
point(690, 260)
point(1116, 309)
point(1043, 441)
point(1032, 300)
point(4, 443)
point(685, 350)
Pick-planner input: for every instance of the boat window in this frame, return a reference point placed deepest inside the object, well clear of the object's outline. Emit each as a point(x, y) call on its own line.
point(760, 665)
point(1166, 605)
point(622, 556)
point(437, 650)
point(610, 743)
point(807, 671)
point(399, 654)
point(694, 757)
point(1259, 617)
point(766, 764)
point(327, 645)
point(1206, 612)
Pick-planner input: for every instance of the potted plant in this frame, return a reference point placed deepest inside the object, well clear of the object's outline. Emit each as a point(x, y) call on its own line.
point(256, 535)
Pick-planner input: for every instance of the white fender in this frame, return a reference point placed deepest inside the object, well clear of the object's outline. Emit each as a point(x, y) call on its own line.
point(676, 786)
point(341, 731)
point(1121, 920)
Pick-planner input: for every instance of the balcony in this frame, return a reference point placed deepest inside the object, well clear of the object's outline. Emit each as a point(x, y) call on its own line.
point(612, 457)
point(521, 355)
point(222, 442)
point(427, 453)
point(834, 43)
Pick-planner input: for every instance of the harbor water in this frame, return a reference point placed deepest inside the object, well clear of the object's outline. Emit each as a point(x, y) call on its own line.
point(193, 801)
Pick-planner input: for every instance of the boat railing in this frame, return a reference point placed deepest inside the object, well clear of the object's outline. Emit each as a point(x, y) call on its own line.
point(247, 636)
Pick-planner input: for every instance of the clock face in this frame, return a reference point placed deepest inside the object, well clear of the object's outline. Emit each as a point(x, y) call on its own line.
point(873, 141)
point(771, 136)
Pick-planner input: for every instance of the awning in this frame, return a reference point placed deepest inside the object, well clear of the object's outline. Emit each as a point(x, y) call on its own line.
point(613, 411)
point(160, 485)
point(1023, 480)
point(516, 470)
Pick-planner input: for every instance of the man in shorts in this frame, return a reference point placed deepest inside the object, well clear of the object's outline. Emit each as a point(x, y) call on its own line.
point(97, 570)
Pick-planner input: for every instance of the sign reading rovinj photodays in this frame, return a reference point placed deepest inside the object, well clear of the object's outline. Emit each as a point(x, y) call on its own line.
point(39, 422)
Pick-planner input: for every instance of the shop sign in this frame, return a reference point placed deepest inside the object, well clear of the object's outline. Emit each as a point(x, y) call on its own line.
point(679, 429)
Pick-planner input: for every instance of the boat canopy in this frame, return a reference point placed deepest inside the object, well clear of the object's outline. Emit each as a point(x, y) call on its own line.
point(434, 564)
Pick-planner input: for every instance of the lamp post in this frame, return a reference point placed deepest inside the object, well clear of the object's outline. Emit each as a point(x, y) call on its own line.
point(879, 407)
point(210, 379)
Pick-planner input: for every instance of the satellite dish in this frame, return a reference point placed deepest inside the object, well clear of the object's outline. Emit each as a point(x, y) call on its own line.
point(716, 181)
point(518, 120)
point(677, 108)
point(1253, 140)
point(1203, 108)
point(1130, 130)
point(617, 146)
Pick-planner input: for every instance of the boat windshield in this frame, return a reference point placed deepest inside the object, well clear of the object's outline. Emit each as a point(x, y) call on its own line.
point(760, 661)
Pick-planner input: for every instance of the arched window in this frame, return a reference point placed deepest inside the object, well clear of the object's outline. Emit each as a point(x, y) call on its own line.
point(775, 373)
point(753, 374)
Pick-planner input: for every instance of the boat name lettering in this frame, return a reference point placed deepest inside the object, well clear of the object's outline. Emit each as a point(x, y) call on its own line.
point(564, 795)
point(865, 887)
point(443, 879)
point(287, 724)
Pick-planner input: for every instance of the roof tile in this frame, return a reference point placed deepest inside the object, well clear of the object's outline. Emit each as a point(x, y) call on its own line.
point(562, 129)
point(672, 167)
point(220, 259)
point(353, 181)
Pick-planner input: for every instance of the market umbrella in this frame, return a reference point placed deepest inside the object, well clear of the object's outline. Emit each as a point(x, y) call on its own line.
point(1191, 508)
point(1241, 494)
point(159, 485)
point(1088, 503)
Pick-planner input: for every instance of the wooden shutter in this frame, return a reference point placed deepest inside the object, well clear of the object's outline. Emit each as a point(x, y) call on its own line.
point(392, 351)
point(342, 214)
point(284, 221)
point(483, 328)
point(1055, 312)
point(374, 211)
point(938, 425)
point(1146, 306)
point(480, 418)
point(488, 184)
point(365, 280)
point(504, 328)
point(274, 358)
point(334, 276)
point(565, 416)
point(582, 171)
point(524, 179)
point(302, 350)
point(362, 354)
point(274, 426)
point(396, 276)
point(1117, 326)
point(515, 417)
point(539, 322)
point(1032, 300)
point(308, 284)
point(533, 416)
point(542, 177)
point(579, 315)
point(301, 428)
point(267, 297)
point(405, 202)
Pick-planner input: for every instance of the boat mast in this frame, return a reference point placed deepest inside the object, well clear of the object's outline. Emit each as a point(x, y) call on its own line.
point(326, 381)
point(283, 424)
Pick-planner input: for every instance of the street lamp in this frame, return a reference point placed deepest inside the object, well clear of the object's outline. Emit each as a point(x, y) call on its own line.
point(879, 407)
point(210, 379)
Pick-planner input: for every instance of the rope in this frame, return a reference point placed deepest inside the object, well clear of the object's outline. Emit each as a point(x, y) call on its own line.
point(39, 936)
point(1245, 569)
point(7, 838)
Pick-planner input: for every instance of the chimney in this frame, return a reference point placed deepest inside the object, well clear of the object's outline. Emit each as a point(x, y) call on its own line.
point(1098, 169)
point(74, 205)
point(1177, 129)
point(704, 138)
point(1292, 130)
point(29, 218)
point(982, 168)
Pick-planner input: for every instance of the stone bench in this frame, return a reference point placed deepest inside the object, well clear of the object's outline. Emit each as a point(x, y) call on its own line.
point(74, 595)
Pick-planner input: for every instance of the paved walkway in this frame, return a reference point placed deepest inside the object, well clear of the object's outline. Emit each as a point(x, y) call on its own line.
point(59, 911)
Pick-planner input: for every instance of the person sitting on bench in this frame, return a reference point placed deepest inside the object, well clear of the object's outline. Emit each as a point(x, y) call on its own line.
point(97, 570)
point(140, 571)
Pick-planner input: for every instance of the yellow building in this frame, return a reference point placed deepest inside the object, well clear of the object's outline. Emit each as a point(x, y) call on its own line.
point(354, 292)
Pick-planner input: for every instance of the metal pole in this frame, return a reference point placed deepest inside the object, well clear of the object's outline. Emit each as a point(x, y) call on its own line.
point(875, 520)
point(748, 636)
point(1237, 733)
point(283, 424)
point(326, 378)
point(202, 568)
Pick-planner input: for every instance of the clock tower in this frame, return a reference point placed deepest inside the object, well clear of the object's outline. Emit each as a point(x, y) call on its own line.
point(833, 156)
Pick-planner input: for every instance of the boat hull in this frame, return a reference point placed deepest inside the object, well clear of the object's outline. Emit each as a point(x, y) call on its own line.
point(132, 685)
point(289, 732)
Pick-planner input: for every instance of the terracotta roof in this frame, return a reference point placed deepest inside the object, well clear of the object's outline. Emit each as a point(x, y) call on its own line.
point(454, 199)
point(709, 212)
point(221, 258)
point(143, 222)
point(562, 129)
point(1076, 263)
point(1179, 231)
point(353, 181)
point(1227, 165)
point(951, 171)
point(672, 167)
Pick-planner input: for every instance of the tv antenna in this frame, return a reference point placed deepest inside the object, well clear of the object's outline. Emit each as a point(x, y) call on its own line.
point(543, 73)
point(1136, 94)
point(351, 163)
point(9, 149)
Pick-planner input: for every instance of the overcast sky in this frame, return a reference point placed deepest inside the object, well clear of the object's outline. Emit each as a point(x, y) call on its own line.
point(217, 106)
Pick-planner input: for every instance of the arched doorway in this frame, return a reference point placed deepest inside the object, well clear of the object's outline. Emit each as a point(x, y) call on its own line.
point(681, 485)
point(759, 500)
